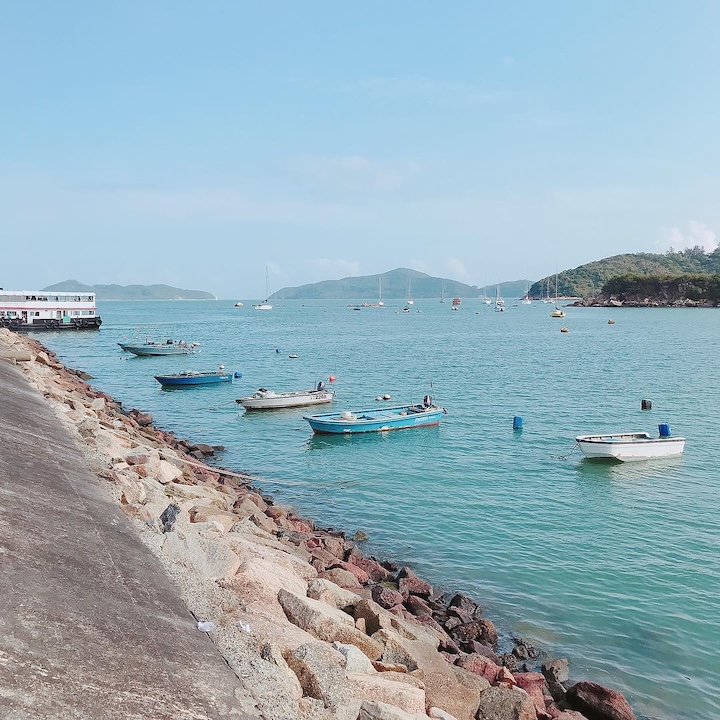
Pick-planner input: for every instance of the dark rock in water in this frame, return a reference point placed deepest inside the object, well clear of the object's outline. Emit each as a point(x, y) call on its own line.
point(386, 597)
point(83, 375)
point(466, 605)
point(391, 566)
point(598, 703)
point(509, 661)
point(360, 536)
point(523, 650)
point(168, 517)
point(218, 448)
point(203, 448)
point(481, 630)
point(410, 584)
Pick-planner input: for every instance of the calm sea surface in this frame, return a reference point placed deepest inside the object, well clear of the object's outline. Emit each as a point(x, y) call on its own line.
point(615, 566)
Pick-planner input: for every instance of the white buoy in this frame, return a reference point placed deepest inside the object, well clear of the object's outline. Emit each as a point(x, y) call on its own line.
point(379, 397)
point(386, 397)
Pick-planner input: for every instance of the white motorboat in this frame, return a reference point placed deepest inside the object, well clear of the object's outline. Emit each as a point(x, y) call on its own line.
point(265, 399)
point(631, 446)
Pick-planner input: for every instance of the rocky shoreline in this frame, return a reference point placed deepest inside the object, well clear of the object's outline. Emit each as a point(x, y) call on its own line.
point(315, 628)
point(645, 302)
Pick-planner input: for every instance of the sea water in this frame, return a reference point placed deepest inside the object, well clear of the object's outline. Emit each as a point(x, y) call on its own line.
point(614, 566)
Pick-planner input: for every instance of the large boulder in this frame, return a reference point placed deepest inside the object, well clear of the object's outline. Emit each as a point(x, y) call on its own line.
point(375, 710)
point(332, 594)
point(386, 597)
point(598, 702)
point(326, 623)
point(533, 683)
point(321, 672)
point(378, 687)
point(503, 703)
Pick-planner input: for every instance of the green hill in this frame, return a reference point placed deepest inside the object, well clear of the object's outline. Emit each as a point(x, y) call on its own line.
point(590, 279)
point(396, 285)
point(131, 292)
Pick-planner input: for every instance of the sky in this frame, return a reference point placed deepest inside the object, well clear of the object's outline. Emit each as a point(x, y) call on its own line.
point(197, 144)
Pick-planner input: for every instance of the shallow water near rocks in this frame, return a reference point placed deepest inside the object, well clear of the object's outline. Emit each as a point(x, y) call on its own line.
point(615, 566)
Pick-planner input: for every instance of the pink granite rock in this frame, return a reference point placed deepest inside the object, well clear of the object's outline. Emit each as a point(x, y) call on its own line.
point(598, 702)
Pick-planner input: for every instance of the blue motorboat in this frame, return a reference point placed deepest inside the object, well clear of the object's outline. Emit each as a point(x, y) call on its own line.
point(380, 419)
point(191, 377)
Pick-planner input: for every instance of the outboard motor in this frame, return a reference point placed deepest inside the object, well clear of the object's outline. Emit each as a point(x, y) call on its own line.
point(427, 401)
point(320, 386)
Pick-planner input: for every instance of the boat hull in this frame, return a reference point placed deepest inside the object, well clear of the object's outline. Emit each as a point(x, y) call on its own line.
point(280, 401)
point(48, 325)
point(145, 350)
point(375, 420)
point(629, 447)
point(199, 379)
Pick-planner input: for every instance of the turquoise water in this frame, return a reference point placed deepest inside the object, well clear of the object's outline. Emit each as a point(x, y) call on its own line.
point(616, 567)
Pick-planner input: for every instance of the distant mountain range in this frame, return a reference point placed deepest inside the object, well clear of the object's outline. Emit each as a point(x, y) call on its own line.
point(131, 292)
point(398, 284)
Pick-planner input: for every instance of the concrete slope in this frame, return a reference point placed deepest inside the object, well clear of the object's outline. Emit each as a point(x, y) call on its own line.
point(90, 626)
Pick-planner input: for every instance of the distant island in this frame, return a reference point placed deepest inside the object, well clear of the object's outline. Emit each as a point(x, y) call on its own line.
point(398, 284)
point(131, 292)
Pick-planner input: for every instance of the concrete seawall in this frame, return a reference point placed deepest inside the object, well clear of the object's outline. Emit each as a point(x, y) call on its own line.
point(90, 625)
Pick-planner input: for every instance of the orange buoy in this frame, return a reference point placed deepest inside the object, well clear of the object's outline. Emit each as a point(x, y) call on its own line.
point(331, 378)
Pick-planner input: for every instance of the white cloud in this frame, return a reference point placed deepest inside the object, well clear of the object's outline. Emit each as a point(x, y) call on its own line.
point(698, 233)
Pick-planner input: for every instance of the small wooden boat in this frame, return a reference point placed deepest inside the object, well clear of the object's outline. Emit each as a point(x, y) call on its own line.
point(167, 347)
point(265, 399)
point(191, 377)
point(631, 446)
point(378, 419)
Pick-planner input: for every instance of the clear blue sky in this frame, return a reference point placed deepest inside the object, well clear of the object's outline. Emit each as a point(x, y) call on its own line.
point(193, 143)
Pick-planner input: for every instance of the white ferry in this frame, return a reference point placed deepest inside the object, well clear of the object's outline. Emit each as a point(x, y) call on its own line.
point(41, 310)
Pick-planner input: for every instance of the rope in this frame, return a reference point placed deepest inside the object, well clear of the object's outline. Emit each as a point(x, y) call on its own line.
point(565, 457)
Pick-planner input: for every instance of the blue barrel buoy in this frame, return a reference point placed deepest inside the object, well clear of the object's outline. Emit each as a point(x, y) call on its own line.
point(238, 374)
point(664, 429)
point(517, 423)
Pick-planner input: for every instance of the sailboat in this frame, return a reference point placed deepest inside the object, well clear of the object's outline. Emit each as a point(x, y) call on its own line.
point(409, 291)
point(547, 299)
point(557, 312)
point(526, 297)
point(442, 291)
point(265, 305)
point(499, 302)
point(486, 300)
